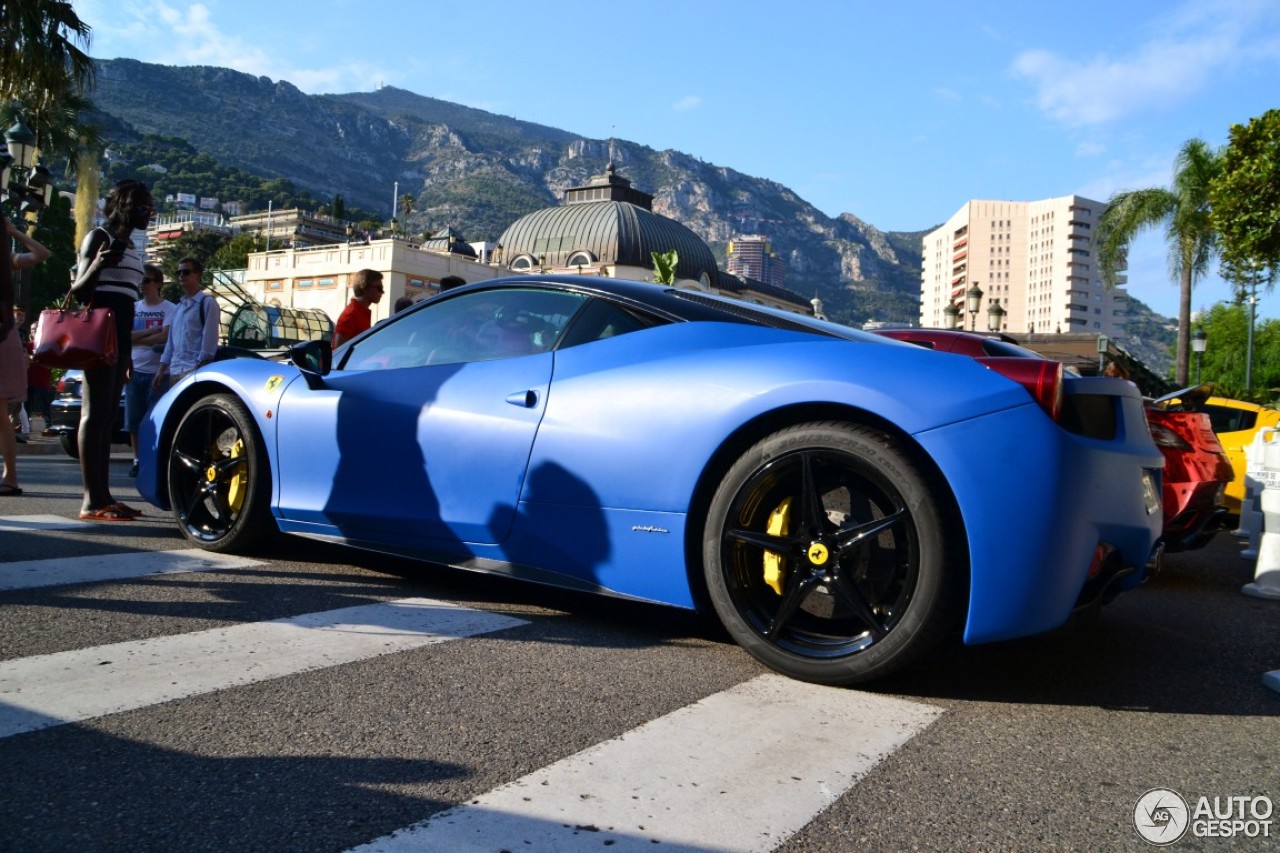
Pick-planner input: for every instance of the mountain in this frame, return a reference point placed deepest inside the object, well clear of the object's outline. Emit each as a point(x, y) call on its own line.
point(478, 172)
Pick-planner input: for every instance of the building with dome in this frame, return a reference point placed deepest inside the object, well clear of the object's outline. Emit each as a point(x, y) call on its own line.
point(604, 228)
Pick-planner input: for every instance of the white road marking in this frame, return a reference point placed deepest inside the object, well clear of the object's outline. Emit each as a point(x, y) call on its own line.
point(105, 567)
point(23, 523)
point(50, 690)
point(742, 770)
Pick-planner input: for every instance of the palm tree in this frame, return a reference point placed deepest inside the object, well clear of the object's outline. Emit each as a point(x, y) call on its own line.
point(1184, 211)
point(39, 51)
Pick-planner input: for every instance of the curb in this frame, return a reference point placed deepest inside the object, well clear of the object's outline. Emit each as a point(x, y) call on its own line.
point(41, 445)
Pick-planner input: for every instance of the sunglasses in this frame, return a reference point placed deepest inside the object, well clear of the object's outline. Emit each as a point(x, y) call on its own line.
point(148, 278)
point(186, 272)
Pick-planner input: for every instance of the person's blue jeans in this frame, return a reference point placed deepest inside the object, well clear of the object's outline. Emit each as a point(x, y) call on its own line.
point(138, 397)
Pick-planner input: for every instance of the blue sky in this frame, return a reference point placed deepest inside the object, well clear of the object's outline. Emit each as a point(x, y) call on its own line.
point(895, 112)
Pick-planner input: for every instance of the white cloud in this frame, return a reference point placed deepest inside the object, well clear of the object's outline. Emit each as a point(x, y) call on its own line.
point(1196, 45)
point(1090, 148)
point(688, 102)
point(182, 34)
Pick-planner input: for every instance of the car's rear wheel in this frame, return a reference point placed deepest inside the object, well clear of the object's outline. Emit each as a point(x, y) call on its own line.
point(824, 554)
point(219, 480)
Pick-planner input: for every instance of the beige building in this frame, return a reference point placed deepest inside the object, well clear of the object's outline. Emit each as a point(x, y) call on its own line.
point(1032, 259)
point(319, 277)
point(604, 228)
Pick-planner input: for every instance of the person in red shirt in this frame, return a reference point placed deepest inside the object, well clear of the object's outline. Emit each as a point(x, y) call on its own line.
point(357, 316)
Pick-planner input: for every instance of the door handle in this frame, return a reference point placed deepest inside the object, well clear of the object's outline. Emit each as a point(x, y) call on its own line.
point(524, 399)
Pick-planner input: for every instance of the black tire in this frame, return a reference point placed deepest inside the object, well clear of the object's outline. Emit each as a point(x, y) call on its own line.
point(848, 523)
point(219, 478)
point(70, 442)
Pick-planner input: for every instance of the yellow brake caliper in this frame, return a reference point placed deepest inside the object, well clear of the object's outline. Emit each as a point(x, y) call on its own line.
point(236, 488)
point(779, 525)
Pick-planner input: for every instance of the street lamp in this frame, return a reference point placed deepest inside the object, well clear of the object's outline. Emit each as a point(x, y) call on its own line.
point(26, 186)
point(951, 316)
point(1199, 340)
point(1253, 307)
point(995, 316)
point(973, 301)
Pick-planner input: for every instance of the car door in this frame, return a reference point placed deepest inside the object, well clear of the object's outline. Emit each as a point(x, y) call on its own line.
point(422, 434)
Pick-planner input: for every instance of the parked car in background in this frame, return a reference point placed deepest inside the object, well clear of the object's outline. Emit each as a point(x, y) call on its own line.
point(1196, 471)
point(66, 414)
point(1236, 422)
point(975, 344)
point(839, 500)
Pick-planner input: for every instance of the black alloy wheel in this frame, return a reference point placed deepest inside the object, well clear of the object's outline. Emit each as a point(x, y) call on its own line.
point(824, 554)
point(219, 482)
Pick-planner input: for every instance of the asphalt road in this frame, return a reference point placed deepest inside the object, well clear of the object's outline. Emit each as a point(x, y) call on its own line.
point(1039, 744)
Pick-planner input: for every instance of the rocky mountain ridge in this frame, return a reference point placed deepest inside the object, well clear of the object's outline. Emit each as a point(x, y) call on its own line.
point(478, 172)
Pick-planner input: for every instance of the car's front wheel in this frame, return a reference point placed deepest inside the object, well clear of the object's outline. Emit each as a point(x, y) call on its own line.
point(219, 479)
point(70, 442)
point(824, 554)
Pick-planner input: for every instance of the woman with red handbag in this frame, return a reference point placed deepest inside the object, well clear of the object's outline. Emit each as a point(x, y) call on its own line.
point(110, 274)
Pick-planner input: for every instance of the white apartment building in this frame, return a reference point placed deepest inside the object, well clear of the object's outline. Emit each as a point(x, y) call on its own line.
point(1035, 257)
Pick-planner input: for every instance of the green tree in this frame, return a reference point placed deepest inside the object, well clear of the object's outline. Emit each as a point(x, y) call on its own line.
point(41, 59)
point(664, 266)
point(1226, 328)
point(1246, 194)
point(41, 63)
point(49, 280)
point(234, 255)
point(201, 245)
point(1184, 211)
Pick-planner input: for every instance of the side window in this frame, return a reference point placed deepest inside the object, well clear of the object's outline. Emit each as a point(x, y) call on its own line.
point(1230, 419)
point(604, 319)
point(478, 326)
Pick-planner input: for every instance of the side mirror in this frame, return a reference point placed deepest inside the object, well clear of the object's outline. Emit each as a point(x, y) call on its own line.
point(313, 358)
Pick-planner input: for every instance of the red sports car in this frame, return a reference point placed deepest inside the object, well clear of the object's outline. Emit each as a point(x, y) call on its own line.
point(1196, 470)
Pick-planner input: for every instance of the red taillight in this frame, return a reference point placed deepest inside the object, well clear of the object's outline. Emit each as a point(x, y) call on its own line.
point(1041, 377)
point(1165, 437)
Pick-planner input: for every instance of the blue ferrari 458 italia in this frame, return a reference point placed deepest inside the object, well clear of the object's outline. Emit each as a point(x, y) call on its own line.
point(839, 500)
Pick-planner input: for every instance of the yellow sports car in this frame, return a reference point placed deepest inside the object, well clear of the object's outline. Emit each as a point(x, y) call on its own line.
point(1236, 422)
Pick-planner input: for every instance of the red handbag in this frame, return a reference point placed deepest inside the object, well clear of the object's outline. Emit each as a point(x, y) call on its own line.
point(80, 338)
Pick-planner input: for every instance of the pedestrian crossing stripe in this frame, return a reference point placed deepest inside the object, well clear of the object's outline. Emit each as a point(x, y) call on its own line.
point(27, 574)
point(25, 523)
point(741, 770)
point(64, 687)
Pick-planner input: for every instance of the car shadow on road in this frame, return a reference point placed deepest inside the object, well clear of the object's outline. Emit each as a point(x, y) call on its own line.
point(1187, 642)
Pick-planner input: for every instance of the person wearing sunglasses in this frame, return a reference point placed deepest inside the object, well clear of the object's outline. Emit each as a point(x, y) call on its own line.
point(366, 287)
point(108, 275)
point(152, 315)
point(193, 332)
